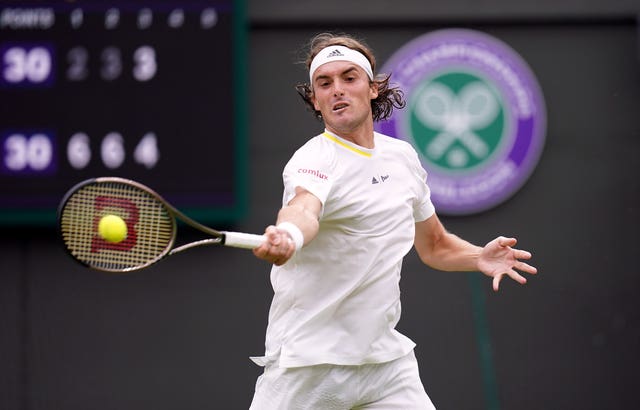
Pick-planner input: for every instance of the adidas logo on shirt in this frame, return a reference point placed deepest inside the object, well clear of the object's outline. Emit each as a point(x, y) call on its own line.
point(383, 178)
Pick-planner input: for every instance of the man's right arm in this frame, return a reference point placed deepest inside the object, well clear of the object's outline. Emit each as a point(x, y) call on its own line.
point(297, 224)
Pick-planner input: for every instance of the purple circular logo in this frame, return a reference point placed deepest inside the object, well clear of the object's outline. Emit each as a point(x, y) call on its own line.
point(475, 114)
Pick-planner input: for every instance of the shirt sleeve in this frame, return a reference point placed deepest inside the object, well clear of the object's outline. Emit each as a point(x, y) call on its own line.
point(310, 170)
point(423, 207)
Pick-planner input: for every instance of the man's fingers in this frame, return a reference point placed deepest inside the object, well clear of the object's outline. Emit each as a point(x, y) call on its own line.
point(277, 249)
point(517, 277)
point(525, 267)
point(520, 254)
point(496, 282)
point(504, 242)
point(513, 275)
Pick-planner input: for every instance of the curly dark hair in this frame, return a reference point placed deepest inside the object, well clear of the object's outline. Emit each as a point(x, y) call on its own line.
point(388, 97)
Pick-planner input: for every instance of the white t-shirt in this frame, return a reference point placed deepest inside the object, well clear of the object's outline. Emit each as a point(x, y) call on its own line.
point(337, 301)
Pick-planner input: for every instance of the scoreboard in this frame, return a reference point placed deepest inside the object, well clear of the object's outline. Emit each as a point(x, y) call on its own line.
point(152, 91)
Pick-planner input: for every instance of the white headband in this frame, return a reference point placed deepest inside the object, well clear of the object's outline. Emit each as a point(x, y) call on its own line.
point(339, 53)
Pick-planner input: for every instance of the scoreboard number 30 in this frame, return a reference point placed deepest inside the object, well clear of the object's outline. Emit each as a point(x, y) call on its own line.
point(34, 152)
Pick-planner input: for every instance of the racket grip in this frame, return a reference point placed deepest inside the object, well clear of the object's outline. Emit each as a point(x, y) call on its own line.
point(243, 240)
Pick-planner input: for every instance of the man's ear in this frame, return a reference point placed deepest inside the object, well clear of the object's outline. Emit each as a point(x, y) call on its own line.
point(373, 90)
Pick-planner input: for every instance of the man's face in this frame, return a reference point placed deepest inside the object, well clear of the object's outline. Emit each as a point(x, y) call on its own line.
point(342, 93)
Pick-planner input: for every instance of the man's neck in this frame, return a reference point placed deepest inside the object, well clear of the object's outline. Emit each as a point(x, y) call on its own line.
point(362, 136)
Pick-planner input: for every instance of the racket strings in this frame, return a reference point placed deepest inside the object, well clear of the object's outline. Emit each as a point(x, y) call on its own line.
point(150, 226)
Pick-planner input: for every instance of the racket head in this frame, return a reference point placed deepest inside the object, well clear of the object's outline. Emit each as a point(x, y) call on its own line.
point(150, 221)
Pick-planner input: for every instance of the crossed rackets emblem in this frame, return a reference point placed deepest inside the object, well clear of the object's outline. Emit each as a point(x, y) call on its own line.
point(457, 117)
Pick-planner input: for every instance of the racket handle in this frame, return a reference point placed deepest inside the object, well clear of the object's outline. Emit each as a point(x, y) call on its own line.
point(243, 240)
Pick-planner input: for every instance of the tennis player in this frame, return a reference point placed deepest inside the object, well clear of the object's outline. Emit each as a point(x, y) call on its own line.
point(355, 202)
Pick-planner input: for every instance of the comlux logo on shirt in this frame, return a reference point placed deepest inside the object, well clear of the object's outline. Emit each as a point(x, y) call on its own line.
point(313, 172)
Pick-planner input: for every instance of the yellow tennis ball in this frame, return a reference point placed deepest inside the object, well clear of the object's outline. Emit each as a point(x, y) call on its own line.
point(112, 228)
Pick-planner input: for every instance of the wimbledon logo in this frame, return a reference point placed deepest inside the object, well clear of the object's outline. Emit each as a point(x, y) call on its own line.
point(475, 114)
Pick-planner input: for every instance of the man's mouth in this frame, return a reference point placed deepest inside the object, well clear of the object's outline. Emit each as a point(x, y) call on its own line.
point(340, 106)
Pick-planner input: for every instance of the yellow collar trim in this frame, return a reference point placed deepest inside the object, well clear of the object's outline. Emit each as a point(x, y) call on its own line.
point(347, 146)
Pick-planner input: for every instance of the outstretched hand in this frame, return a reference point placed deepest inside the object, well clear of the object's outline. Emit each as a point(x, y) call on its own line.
point(498, 259)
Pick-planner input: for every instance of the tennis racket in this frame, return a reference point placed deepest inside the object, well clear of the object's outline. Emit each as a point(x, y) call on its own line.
point(151, 226)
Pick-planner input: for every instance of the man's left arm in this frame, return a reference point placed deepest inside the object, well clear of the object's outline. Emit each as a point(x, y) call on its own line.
point(445, 251)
